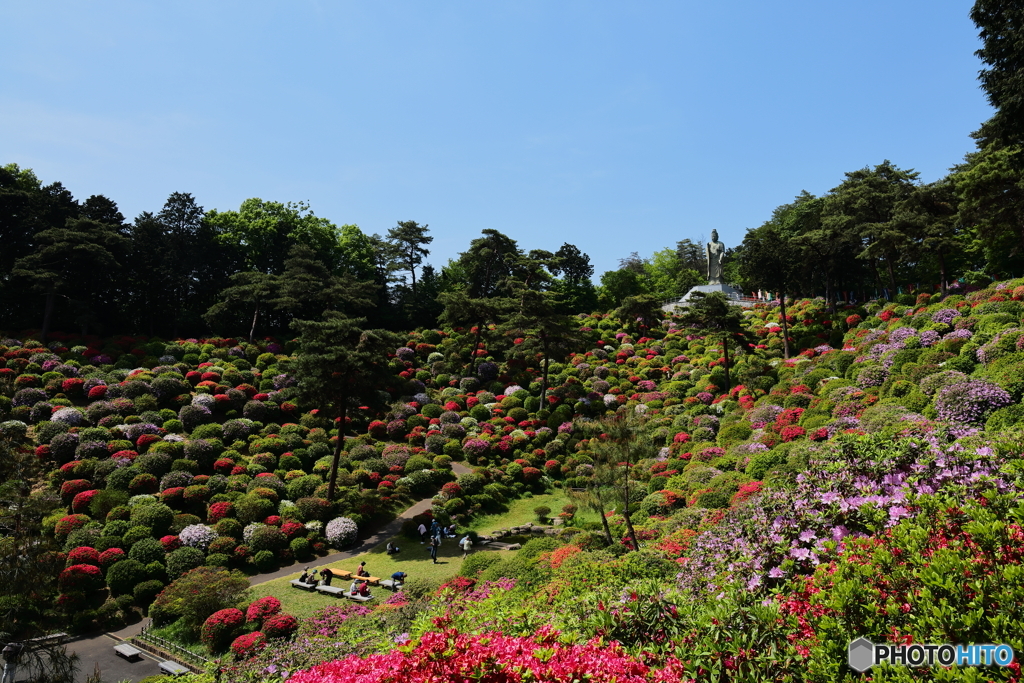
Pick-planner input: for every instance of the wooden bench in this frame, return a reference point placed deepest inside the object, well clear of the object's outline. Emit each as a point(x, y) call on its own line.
point(339, 573)
point(303, 586)
point(372, 580)
point(331, 590)
point(128, 652)
point(173, 668)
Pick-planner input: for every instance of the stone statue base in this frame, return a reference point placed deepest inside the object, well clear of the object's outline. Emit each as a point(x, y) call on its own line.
point(731, 293)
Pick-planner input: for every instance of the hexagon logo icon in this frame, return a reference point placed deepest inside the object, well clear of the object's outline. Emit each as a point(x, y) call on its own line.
point(861, 655)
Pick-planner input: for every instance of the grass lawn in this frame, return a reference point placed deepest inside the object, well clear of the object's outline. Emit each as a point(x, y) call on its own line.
point(414, 559)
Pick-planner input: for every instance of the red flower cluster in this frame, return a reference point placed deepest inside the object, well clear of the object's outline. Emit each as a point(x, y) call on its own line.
point(80, 577)
point(246, 646)
point(280, 626)
point(82, 500)
point(84, 555)
point(111, 556)
point(262, 608)
point(220, 625)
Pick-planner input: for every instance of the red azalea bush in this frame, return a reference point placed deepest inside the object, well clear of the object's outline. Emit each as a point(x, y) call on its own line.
point(81, 502)
point(223, 466)
point(220, 626)
point(262, 608)
point(493, 656)
point(219, 511)
point(80, 577)
point(246, 646)
point(84, 555)
point(111, 556)
point(170, 543)
point(70, 489)
point(65, 525)
point(293, 530)
point(280, 626)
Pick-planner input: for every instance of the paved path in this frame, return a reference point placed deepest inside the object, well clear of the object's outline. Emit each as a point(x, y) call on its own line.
point(99, 649)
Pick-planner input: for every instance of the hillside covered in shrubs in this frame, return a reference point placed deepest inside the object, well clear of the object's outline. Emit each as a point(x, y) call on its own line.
point(868, 486)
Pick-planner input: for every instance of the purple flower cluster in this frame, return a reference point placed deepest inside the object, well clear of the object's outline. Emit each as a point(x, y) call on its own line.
point(197, 536)
point(341, 532)
point(945, 316)
point(854, 484)
point(872, 376)
point(970, 402)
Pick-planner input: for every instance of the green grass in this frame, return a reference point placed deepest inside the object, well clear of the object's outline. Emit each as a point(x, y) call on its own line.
point(414, 559)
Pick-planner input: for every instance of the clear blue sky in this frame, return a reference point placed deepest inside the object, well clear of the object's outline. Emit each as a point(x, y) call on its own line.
point(614, 126)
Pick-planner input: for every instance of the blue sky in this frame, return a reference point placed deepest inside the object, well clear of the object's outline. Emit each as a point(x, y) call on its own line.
point(614, 126)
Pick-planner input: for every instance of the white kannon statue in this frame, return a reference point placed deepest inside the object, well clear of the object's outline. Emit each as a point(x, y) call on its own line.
point(715, 251)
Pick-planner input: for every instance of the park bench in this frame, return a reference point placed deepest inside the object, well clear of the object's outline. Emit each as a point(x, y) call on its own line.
point(173, 668)
point(358, 598)
point(331, 590)
point(303, 586)
point(339, 573)
point(372, 580)
point(391, 583)
point(128, 652)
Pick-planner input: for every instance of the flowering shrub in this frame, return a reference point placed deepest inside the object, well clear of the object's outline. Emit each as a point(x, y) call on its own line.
point(220, 627)
point(65, 525)
point(970, 402)
point(80, 577)
point(262, 608)
point(84, 555)
point(197, 536)
point(341, 532)
point(280, 626)
point(248, 645)
point(111, 556)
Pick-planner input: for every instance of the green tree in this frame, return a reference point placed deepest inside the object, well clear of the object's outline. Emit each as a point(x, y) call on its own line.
point(618, 444)
point(248, 291)
point(864, 204)
point(544, 331)
point(1001, 25)
point(991, 189)
point(712, 314)
point(640, 310)
point(575, 290)
point(340, 366)
point(76, 262)
point(307, 288)
point(930, 216)
point(263, 232)
point(770, 262)
point(618, 285)
point(29, 560)
point(409, 239)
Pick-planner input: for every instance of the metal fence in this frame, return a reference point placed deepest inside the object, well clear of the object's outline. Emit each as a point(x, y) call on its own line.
point(178, 651)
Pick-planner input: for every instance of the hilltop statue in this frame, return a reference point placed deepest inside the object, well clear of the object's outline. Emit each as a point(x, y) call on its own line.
point(715, 251)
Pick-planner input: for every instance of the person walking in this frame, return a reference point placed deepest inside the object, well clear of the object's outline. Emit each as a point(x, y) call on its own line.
point(433, 548)
point(422, 529)
point(466, 543)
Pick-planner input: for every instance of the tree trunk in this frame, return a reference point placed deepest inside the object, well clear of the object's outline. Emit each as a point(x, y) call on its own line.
point(942, 271)
point(252, 330)
point(892, 275)
point(47, 314)
point(337, 449)
point(725, 353)
point(785, 327)
point(604, 520)
point(544, 375)
point(625, 503)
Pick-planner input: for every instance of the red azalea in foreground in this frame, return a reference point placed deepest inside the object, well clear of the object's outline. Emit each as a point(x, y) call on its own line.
point(452, 656)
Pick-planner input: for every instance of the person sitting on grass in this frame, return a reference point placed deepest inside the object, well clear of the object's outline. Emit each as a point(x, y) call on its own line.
point(392, 548)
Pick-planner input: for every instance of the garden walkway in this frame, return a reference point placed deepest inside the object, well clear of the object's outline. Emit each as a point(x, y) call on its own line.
point(98, 650)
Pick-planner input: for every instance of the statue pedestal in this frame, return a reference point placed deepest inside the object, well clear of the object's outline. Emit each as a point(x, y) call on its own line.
point(734, 295)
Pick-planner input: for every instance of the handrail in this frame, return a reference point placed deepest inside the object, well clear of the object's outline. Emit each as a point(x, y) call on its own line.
point(173, 648)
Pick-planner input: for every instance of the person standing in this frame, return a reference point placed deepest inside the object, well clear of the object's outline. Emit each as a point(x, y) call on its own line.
point(423, 532)
point(12, 655)
point(433, 548)
point(466, 543)
point(326, 574)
